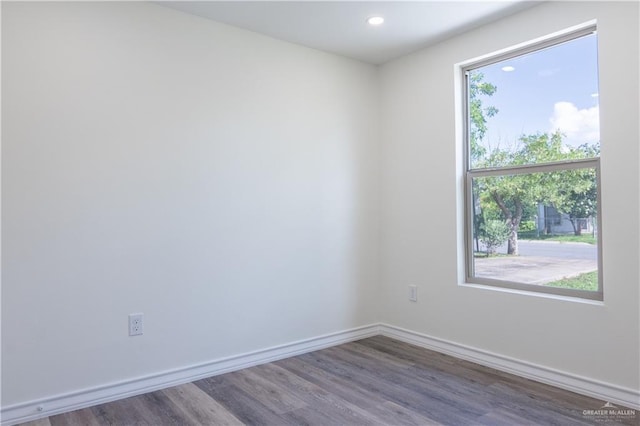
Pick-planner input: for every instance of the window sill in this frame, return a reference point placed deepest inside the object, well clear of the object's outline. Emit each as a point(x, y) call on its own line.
point(558, 297)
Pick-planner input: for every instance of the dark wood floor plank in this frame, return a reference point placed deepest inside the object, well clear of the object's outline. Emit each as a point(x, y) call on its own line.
point(320, 416)
point(366, 398)
point(39, 422)
point(374, 381)
point(446, 375)
point(341, 410)
point(382, 357)
point(242, 405)
point(277, 398)
point(404, 378)
point(410, 353)
point(421, 402)
point(479, 380)
point(402, 415)
point(198, 408)
point(129, 411)
point(501, 417)
point(84, 417)
point(557, 397)
point(316, 398)
point(437, 384)
point(528, 405)
point(163, 407)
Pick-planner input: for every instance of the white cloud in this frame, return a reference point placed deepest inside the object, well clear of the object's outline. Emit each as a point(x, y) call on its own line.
point(578, 125)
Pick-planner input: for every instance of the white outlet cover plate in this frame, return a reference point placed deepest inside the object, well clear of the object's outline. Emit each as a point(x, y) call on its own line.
point(413, 293)
point(136, 324)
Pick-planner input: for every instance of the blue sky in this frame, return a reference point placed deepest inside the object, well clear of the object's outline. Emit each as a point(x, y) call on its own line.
point(553, 88)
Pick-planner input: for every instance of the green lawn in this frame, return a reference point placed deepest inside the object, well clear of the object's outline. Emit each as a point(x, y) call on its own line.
point(588, 281)
point(484, 254)
point(584, 238)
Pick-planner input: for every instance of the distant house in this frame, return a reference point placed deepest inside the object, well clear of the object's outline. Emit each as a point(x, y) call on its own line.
point(550, 221)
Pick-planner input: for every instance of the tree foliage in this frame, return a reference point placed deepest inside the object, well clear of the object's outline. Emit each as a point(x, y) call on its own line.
point(514, 197)
point(578, 201)
point(569, 191)
point(493, 233)
point(478, 113)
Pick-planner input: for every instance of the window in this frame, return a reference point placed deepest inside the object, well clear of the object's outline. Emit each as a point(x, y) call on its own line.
point(532, 196)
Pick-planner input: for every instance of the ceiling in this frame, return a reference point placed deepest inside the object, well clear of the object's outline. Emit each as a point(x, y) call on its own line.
point(340, 26)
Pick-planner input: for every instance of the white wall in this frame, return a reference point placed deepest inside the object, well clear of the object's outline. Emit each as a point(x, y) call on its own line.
point(220, 182)
point(421, 222)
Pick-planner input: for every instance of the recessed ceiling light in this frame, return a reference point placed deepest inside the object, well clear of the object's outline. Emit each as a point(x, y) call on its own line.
point(595, 95)
point(375, 20)
point(508, 68)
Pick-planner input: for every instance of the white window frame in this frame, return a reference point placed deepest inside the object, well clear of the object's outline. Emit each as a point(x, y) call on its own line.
point(470, 174)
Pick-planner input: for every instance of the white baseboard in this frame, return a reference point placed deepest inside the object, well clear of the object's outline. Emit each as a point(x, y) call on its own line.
point(33, 410)
point(582, 385)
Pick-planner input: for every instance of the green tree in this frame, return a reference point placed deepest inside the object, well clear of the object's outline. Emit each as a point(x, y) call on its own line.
point(571, 192)
point(514, 194)
point(581, 205)
point(580, 200)
point(578, 196)
point(493, 233)
point(478, 113)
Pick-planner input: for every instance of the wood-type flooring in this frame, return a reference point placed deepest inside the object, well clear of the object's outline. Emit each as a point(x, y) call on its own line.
point(374, 381)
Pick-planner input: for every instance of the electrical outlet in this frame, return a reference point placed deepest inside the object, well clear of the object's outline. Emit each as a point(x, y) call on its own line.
point(413, 293)
point(136, 326)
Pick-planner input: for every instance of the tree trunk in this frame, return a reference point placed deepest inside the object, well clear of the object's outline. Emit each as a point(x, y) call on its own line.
point(512, 220)
point(577, 230)
point(573, 225)
point(512, 243)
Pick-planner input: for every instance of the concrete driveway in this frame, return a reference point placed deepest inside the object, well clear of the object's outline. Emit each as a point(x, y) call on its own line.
point(540, 262)
point(532, 269)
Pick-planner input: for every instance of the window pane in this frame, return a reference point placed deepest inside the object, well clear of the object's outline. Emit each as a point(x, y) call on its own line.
point(537, 228)
point(551, 93)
